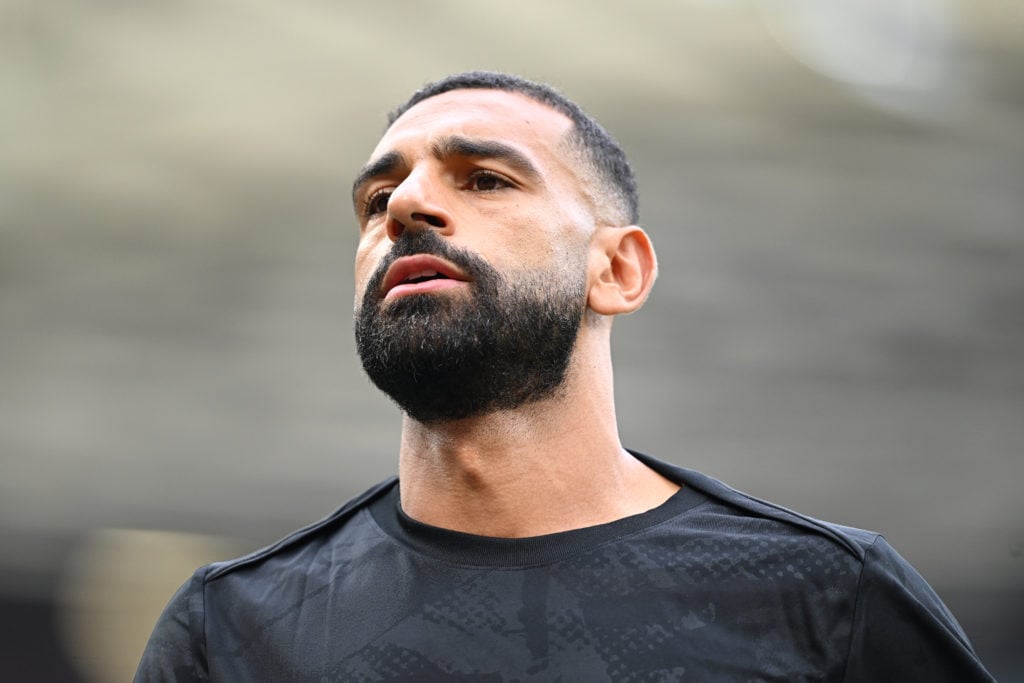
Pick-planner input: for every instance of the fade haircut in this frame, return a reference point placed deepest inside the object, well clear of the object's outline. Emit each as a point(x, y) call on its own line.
point(609, 167)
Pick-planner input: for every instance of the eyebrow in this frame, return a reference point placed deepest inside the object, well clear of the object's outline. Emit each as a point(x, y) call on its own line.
point(386, 164)
point(446, 148)
point(458, 146)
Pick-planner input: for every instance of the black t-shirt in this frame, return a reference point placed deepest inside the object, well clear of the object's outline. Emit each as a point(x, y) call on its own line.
point(713, 585)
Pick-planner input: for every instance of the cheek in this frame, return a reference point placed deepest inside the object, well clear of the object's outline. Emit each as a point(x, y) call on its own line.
point(554, 239)
point(519, 238)
point(368, 256)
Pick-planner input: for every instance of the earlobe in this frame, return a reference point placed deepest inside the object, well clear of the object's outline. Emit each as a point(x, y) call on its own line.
point(623, 268)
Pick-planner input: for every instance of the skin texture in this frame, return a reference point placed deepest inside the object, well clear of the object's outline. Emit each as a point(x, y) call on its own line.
point(549, 465)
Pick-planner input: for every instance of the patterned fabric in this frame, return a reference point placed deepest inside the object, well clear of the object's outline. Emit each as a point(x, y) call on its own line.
point(711, 586)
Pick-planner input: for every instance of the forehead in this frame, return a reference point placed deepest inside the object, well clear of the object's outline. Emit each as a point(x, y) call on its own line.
point(486, 114)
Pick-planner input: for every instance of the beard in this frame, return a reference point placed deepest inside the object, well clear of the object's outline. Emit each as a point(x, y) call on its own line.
point(450, 356)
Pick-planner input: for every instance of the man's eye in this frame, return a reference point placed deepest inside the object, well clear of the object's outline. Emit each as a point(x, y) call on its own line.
point(376, 203)
point(486, 181)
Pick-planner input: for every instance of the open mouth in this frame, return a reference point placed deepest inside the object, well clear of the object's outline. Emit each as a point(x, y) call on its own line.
point(420, 274)
point(424, 276)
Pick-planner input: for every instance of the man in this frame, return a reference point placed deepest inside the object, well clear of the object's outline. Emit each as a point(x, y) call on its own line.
point(520, 540)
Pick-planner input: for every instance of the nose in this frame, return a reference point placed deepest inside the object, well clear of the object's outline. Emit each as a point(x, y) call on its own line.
point(416, 204)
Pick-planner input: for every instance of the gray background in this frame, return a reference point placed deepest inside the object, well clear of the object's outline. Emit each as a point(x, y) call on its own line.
point(834, 190)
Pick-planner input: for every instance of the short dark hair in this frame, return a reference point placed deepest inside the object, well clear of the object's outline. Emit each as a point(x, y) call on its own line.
point(598, 147)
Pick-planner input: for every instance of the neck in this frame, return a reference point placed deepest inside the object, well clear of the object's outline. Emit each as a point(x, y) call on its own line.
point(549, 466)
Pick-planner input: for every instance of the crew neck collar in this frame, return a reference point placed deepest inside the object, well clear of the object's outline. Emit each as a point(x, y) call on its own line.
point(465, 549)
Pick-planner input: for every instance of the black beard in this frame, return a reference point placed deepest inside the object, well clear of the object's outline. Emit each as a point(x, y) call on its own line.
point(449, 356)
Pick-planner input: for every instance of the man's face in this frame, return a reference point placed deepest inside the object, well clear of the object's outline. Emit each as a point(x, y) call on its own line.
point(471, 269)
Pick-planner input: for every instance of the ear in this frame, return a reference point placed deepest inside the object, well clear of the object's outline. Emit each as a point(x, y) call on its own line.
point(622, 270)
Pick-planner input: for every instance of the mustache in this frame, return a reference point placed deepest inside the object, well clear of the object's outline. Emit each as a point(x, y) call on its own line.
point(414, 242)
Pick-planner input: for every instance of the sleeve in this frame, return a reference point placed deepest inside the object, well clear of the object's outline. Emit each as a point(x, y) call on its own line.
point(176, 650)
point(901, 629)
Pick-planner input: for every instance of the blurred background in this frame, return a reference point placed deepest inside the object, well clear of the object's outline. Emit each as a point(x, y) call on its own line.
point(835, 189)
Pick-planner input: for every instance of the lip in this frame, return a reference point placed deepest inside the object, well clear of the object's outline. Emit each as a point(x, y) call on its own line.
point(395, 284)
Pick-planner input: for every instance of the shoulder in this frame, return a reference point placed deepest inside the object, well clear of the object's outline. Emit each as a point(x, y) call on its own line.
point(301, 540)
point(898, 627)
point(740, 512)
point(247, 589)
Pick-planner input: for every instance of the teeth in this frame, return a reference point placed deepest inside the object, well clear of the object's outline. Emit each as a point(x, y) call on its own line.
point(420, 274)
